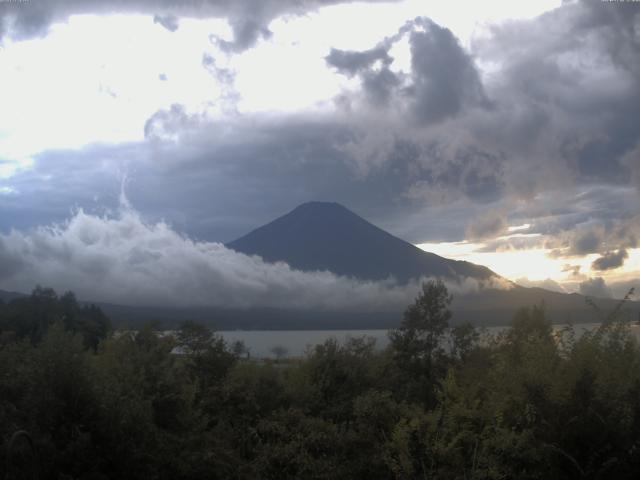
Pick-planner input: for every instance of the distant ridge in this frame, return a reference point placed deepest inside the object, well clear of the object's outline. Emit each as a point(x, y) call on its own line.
point(8, 296)
point(328, 236)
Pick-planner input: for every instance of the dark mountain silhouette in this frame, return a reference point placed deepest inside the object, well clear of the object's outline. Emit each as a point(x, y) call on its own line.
point(8, 296)
point(328, 236)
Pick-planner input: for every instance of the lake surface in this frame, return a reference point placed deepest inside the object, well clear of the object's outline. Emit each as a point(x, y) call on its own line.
point(295, 342)
point(261, 342)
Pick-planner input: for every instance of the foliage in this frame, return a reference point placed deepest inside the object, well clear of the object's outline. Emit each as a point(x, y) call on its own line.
point(30, 317)
point(417, 346)
point(530, 403)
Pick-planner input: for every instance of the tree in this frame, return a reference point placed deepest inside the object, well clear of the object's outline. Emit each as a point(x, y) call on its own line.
point(337, 373)
point(239, 349)
point(463, 339)
point(530, 323)
point(424, 324)
point(280, 351)
point(194, 338)
point(88, 320)
point(417, 344)
point(30, 317)
point(207, 358)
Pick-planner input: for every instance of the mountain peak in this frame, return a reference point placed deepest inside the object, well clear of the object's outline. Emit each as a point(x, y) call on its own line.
point(318, 208)
point(328, 236)
point(319, 205)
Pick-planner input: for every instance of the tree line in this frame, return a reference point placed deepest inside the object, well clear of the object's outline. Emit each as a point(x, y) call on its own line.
point(78, 402)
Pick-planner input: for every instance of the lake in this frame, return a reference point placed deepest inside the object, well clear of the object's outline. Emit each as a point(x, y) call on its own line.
point(295, 342)
point(260, 342)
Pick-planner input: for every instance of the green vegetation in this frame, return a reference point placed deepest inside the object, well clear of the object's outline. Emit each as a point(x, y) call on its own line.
point(526, 404)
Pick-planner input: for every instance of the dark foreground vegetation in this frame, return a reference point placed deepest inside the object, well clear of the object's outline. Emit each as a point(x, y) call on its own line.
point(526, 404)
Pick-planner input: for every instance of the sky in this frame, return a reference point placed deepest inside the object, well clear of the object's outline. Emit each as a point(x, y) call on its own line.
point(137, 137)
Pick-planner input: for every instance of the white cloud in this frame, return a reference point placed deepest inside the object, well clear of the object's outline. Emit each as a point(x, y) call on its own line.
point(82, 84)
point(124, 260)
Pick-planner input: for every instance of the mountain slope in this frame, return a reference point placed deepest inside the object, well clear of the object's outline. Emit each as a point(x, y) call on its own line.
point(328, 236)
point(8, 296)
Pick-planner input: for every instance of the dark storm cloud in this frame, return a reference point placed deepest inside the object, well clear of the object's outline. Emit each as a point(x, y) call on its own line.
point(604, 211)
point(378, 83)
point(428, 132)
point(10, 263)
point(246, 33)
point(560, 122)
point(595, 287)
point(351, 62)
point(212, 180)
point(378, 86)
point(587, 242)
point(621, 24)
point(632, 161)
point(217, 180)
point(490, 225)
point(64, 180)
point(252, 170)
point(512, 243)
point(445, 174)
point(444, 78)
point(610, 260)
point(600, 221)
point(249, 19)
point(574, 72)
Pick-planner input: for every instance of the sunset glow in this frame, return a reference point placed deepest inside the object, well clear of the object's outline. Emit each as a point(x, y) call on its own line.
point(533, 266)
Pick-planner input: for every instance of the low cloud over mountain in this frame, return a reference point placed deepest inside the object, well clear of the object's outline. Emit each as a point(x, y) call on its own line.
point(123, 259)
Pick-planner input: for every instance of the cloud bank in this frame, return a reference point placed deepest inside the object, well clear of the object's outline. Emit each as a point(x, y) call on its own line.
point(122, 259)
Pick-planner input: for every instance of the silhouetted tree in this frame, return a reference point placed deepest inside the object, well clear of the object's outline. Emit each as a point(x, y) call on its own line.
point(194, 338)
point(280, 351)
point(417, 344)
point(463, 339)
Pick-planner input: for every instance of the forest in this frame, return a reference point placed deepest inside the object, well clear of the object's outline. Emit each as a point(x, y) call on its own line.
point(79, 400)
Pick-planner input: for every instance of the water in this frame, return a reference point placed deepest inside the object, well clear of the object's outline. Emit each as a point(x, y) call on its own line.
point(295, 342)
